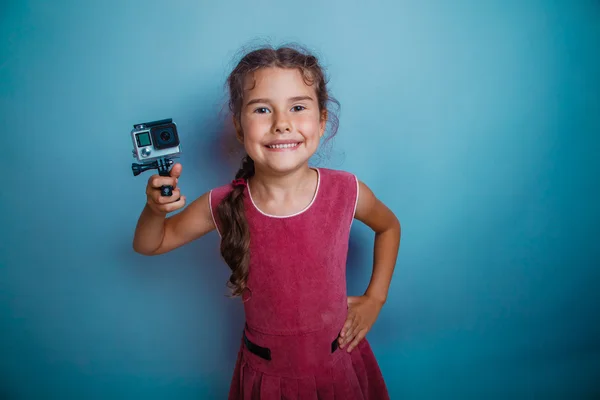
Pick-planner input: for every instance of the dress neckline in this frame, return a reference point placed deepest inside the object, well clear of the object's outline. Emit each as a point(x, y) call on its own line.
point(296, 213)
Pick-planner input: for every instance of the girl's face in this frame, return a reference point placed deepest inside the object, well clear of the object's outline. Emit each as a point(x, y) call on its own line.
point(280, 120)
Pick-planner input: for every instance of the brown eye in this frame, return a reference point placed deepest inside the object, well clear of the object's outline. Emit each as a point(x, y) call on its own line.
point(298, 108)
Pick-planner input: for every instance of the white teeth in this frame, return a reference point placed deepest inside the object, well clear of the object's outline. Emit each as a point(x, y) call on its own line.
point(283, 146)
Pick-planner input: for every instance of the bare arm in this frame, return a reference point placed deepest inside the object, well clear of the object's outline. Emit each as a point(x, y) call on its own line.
point(170, 233)
point(157, 234)
point(376, 215)
point(363, 310)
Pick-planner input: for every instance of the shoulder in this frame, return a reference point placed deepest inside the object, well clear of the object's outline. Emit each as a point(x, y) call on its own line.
point(215, 197)
point(217, 194)
point(364, 202)
point(340, 182)
point(340, 187)
point(338, 178)
point(339, 173)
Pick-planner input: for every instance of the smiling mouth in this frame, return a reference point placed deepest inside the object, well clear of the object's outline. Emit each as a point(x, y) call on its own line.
point(284, 146)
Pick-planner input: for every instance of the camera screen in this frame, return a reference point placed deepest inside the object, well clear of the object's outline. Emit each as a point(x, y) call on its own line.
point(143, 139)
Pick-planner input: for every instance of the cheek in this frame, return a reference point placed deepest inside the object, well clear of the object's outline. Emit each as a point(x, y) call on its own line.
point(254, 127)
point(308, 125)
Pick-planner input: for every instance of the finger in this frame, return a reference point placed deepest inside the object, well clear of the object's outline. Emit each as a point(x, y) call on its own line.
point(352, 299)
point(360, 336)
point(176, 170)
point(356, 326)
point(174, 206)
point(158, 181)
point(352, 332)
point(159, 199)
point(347, 324)
point(349, 335)
point(154, 193)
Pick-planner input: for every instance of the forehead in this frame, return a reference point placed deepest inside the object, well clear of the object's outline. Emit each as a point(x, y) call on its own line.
point(277, 81)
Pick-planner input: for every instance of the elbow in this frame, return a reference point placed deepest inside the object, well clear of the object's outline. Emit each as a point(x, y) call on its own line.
point(141, 250)
point(394, 225)
point(395, 228)
point(138, 250)
point(398, 227)
point(392, 228)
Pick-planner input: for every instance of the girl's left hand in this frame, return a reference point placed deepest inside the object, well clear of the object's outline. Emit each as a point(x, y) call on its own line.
point(362, 313)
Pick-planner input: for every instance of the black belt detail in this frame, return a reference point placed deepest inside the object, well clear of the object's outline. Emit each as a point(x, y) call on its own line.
point(335, 344)
point(265, 353)
point(262, 352)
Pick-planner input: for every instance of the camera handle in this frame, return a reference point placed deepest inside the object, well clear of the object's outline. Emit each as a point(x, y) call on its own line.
point(162, 165)
point(165, 190)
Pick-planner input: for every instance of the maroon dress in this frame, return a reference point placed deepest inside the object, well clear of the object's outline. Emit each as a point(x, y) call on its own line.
point(296, 302)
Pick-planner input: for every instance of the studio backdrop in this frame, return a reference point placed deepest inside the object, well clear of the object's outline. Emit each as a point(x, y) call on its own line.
point(478, 123)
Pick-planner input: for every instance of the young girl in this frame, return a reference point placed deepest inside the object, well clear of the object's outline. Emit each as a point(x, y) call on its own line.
point(284, 230)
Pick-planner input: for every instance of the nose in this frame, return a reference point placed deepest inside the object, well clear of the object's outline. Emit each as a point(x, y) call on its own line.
point(281, 124)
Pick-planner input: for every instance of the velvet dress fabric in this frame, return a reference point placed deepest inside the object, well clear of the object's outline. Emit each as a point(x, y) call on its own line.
point(295, 303)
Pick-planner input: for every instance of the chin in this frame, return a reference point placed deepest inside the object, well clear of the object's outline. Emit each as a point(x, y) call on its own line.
point(282, 162)
point(284, 167)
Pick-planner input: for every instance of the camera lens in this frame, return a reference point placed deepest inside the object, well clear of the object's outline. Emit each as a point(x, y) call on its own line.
point(165, 136)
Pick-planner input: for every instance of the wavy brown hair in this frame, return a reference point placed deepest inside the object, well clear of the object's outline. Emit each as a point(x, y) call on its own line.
point(235, 235)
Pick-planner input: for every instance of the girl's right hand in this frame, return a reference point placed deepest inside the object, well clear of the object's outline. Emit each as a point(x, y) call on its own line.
point(164, 204)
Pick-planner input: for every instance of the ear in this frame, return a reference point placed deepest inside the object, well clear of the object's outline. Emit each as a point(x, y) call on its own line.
point(238, 130)
point(323, 123)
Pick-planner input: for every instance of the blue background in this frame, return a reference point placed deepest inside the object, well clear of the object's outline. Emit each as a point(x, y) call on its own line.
point(478, 123)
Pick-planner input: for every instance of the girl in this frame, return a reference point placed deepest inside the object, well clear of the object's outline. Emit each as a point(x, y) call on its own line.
point(284, 230)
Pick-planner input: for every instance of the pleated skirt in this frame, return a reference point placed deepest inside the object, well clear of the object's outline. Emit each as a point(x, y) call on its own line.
point(304, 367)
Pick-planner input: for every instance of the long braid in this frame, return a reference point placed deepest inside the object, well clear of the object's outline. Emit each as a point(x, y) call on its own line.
point(235, 241)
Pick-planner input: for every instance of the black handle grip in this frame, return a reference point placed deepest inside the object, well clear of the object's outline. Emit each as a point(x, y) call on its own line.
point(166, 190)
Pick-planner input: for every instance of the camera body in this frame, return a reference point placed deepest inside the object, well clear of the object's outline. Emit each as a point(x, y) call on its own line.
point(155, 144)
point(155, 140)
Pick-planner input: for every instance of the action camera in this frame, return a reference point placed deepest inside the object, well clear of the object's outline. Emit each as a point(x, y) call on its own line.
point(155, 145)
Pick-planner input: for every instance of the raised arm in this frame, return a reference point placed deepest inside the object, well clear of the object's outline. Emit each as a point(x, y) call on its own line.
point(156, 233)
